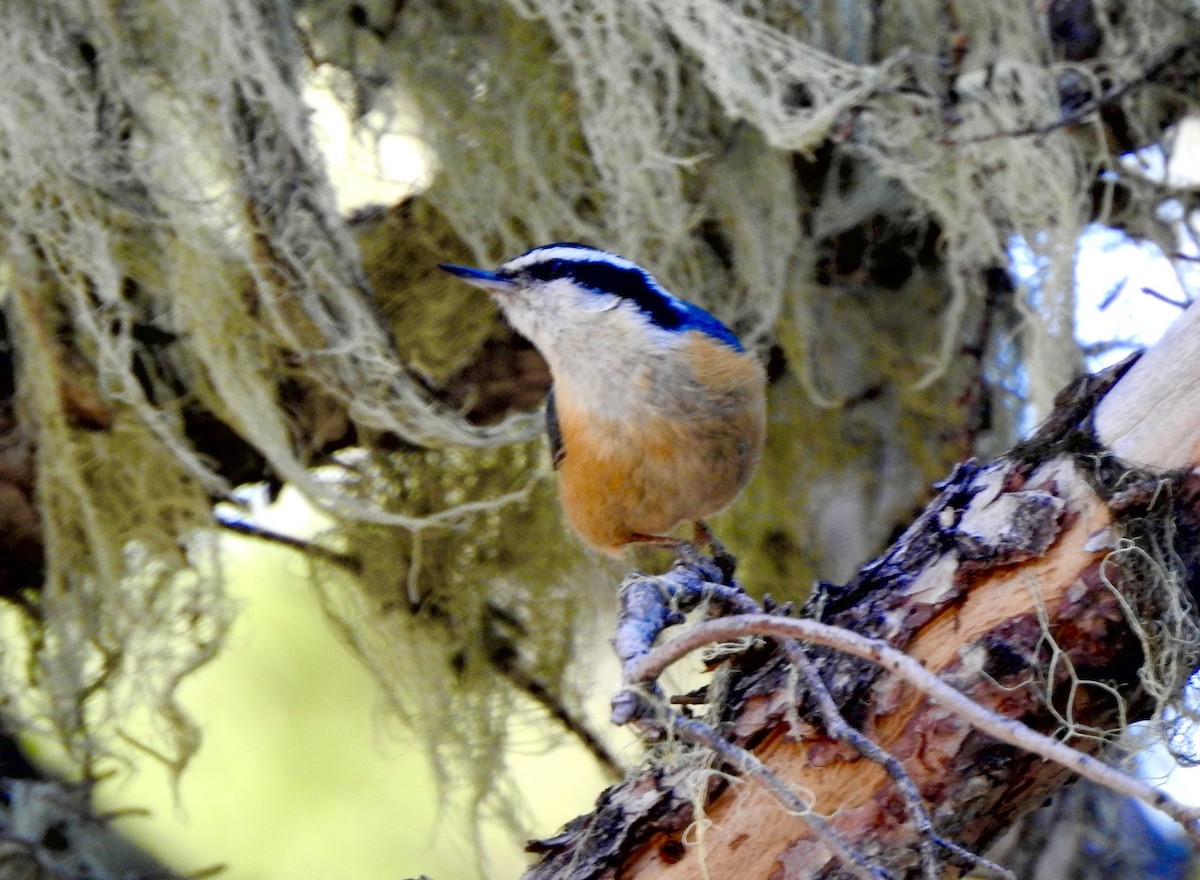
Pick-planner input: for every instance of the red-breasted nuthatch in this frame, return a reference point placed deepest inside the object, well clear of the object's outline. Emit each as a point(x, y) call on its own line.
point(657, 415)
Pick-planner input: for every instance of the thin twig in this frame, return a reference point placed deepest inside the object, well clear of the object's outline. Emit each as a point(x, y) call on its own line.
point(838, 728)
point(1084, 110)
point(523, 681)
point(1162, 297)
point(516, 676)
point(651, 665)
point(345, 561)
point(749, 764)
point(646, 608)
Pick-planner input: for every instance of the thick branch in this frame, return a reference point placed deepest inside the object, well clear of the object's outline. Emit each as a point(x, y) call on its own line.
point(1008, 591)
point(914, 672)
point(1151, 417)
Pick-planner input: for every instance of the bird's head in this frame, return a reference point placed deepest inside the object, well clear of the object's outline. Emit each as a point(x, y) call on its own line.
point(565, 292)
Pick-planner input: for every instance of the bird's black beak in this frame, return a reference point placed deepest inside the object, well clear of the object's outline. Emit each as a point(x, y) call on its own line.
point(489, 281)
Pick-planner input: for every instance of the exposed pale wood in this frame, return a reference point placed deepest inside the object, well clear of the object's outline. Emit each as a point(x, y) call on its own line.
point(1152, 416)
point(749, 829)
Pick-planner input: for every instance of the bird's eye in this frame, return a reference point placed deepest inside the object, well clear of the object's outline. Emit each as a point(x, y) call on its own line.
point(549, 270)
point(542, 271)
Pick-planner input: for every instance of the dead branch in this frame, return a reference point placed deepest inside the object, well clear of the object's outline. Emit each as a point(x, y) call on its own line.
point(1005, 623)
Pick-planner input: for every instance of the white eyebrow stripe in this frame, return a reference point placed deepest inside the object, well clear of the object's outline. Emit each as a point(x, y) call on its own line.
point(571, 253)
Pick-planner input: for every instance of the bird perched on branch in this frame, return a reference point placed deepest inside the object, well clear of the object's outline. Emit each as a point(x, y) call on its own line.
point(657, 414)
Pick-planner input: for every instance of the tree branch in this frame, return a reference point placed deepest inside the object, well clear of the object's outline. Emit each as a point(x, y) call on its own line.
point(728, 629)
point(1086, 108)
point(1006, 611)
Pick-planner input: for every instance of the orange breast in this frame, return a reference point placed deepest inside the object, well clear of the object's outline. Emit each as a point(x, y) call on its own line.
point(647, 472)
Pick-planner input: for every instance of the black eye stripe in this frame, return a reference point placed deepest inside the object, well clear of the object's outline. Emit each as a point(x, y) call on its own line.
point(628, 283)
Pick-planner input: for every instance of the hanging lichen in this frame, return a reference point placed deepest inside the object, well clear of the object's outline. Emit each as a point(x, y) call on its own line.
point(840, 182)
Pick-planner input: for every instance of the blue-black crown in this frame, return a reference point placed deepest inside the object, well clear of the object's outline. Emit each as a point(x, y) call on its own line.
point(607, 273)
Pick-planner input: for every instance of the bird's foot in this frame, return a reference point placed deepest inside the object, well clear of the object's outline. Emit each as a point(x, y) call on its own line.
point(718, 568)
point(725, 561)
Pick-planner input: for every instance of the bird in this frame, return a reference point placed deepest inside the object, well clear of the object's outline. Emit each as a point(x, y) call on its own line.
point(656, 415)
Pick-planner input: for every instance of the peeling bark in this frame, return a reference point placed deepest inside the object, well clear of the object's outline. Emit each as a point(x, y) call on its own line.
point(1005, 587)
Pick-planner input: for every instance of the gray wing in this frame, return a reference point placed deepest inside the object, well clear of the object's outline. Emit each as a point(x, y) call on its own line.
point(557, 452)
